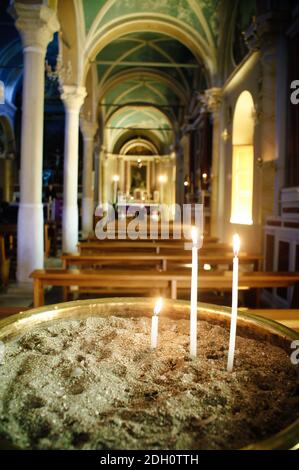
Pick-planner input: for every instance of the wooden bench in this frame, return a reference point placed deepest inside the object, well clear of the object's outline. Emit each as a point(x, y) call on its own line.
point(6, 311)
point(117, 281)
point(147, 245)
point(123, 233)
point(161, 260)
point(11, 231)
point(288, 317)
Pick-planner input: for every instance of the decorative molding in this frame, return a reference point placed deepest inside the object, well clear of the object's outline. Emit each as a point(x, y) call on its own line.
point(212, 99)
point(261, 31)
point(73, 97)
point(61, 73)
point(36, 24)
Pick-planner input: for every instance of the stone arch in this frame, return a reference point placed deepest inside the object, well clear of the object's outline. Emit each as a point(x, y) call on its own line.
point(154, 23)
point(147, 144)
point(71, 39)
point(127, 75)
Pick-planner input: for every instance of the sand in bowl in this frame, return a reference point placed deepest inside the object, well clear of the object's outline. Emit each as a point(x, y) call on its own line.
point(96, 384)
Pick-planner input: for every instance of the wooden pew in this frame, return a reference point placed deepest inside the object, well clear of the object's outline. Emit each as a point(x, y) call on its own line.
point(149, 245)
point(121, 233)
point(11, 231)
point(6, 311)
point(161, 260)
point(117, 281)
point(288, 317)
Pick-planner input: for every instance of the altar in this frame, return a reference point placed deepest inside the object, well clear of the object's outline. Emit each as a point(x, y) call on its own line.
point(131, 208)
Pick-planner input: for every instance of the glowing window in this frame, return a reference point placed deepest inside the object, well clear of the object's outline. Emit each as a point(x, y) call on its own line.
point(242, 161)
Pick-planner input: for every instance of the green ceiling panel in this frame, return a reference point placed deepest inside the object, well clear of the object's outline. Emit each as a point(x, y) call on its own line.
point(91, 9)
point(178, 9)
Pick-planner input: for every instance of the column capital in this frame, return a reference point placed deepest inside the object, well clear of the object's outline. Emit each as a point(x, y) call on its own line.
point(264, 28)
point(88, 128)
point(73, 97)
point(36, 25)
point(212, 99)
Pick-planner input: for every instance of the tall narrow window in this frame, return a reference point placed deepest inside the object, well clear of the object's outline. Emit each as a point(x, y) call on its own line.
point(242, 161)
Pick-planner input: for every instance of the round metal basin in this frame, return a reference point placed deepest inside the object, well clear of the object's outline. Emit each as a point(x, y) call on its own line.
point(253, 325)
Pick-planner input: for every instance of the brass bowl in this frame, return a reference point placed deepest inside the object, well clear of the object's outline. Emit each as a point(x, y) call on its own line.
point(253, 325)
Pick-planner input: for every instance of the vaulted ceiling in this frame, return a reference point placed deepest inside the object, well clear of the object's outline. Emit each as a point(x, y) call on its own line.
point(145, 82)
point(160, 52)
point(147, 57)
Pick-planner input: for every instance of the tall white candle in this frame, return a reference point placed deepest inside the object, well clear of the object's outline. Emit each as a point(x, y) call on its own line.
point(193, 303)
point(155, 320)
point(234, 311)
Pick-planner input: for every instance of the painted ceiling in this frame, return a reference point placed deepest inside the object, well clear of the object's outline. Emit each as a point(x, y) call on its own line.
point(148, 69)
point(146, 75)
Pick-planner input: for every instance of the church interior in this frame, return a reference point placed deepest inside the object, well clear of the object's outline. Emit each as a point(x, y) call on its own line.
point(111, 110)
point(142, 102)
point(148, 103)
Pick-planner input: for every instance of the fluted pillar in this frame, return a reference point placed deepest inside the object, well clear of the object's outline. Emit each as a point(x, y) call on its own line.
point(36, 24)
point(73, 98)
point(88, 130)
point(212, 99)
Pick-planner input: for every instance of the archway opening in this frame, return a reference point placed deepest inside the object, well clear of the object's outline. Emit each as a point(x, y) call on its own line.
point(242, 161)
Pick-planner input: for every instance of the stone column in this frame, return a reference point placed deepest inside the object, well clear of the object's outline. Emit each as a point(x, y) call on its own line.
point(99, 174)
point(153, 176)
point(7, 179)
point(179, 170)
point(73, 98)
point(121, 166)
point(36, 24)
point(267, 34)
point(88, 130)
point(212, 99)
point(105, 173)
point(128, 178)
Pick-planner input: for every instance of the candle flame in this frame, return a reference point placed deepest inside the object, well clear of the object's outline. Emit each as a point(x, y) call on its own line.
point(236, 244)
point(158, 306)
point(194, 235)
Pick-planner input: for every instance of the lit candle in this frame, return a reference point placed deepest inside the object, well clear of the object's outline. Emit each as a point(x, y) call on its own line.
point(234, 311)
point(155, 319)
point(193, 304)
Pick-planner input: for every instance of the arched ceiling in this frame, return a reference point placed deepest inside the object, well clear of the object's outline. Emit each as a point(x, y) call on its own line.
point(141, 72)
point(200, 16)
point(146, 121)
point(150, 55)
point(144, 54)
